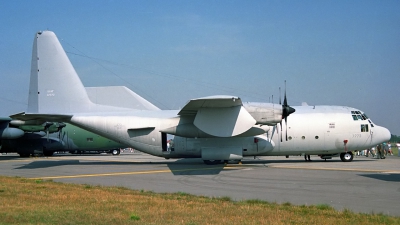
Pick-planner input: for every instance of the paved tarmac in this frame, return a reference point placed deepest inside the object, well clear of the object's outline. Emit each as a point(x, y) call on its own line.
point(365, 185)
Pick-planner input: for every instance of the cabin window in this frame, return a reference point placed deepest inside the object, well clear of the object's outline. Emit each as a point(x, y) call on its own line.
point(290, 137)
point(316, 137)
point(303, 137)
point(364, 127)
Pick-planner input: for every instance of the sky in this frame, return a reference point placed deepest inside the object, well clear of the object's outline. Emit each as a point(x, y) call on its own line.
point(329, 52)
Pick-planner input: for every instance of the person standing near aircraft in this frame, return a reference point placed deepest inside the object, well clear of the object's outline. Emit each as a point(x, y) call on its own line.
point(380, 154)
point(390, 148)
point(370, 150)
point(307, 158)
point(385, 149)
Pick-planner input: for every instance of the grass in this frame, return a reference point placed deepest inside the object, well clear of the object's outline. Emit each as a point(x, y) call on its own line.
point(24, 201)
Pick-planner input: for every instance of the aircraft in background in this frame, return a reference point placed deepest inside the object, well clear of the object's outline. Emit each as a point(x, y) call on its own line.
point(41, 137)
point(215, 128)
point(45, 139)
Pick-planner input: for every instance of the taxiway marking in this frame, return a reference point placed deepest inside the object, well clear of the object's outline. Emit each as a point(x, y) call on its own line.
point(334, 169)
point(128, 173)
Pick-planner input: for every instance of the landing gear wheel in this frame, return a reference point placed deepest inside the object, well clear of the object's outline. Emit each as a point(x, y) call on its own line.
point(346, 156)
point(115, 152)
point(24, 155)
point(47, 153)
point(212, 162)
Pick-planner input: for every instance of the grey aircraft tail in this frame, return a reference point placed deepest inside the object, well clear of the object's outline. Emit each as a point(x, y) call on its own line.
point(55, 87)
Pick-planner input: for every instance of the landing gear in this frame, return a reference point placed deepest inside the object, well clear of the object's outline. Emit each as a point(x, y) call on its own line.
point(346, 156)
point(24, 155)
point(48, 153)
point(115, 152)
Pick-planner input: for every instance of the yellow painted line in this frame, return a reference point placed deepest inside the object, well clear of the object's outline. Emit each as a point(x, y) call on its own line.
point(334, 169)
point(16, 160)
point(128, 173)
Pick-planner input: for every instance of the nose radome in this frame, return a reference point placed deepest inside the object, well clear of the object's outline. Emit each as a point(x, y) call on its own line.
point(382, 134)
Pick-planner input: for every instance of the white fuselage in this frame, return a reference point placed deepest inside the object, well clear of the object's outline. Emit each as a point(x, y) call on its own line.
point(310, 130)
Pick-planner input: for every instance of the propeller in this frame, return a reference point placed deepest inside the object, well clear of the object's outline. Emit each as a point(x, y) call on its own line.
point(286, 111)
point(60, 127)
point(47, 126)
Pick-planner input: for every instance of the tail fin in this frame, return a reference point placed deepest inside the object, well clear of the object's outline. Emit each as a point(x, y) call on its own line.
point(54, 84)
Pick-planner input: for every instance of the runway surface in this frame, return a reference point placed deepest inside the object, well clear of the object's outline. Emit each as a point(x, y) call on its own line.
point(364, 185)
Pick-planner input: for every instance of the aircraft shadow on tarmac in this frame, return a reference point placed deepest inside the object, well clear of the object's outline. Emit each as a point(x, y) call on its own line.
point(194, 167)
point(392, 177)
point(179, 167)
point(56, 163)
point(8, 157)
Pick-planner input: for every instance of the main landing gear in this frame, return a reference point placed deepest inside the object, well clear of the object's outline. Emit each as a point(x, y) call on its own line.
point(346, 156)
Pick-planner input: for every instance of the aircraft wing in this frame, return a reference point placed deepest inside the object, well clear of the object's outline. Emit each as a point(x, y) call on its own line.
point(220, 116)
point(46, 117)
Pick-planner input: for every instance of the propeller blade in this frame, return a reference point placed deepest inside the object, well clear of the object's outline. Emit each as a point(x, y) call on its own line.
point(286, 110)
point(60, 127)
point(280, 102)
point(286, 127)
point(47, 126)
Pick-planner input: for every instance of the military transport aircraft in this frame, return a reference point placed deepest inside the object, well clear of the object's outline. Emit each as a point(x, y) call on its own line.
point(46, 138)
point(215, 128)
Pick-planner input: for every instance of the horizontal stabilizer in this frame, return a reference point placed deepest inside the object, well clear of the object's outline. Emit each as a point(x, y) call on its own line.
point(46, 117)
point(118, 96)
point(142, 128)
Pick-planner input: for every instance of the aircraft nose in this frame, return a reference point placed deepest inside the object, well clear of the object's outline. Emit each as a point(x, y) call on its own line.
point(382, 134)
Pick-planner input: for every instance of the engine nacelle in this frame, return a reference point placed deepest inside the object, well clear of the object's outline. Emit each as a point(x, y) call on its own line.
point(11, 133)
point(264, 113)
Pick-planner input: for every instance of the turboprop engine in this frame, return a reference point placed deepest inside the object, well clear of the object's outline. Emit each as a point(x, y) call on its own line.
point(265, 113)
point(11, 133)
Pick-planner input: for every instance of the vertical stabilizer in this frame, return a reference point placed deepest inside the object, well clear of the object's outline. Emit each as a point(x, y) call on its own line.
point(54, 85)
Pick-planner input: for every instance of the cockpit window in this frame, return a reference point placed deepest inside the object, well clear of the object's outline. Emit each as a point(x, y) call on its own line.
point(357, 115)
point(370, 122)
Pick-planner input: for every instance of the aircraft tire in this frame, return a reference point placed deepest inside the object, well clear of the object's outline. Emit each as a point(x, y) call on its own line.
point(346, 156)
point(115, 152)
point(212, 162)
point(24, 155)
point(48, 153)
